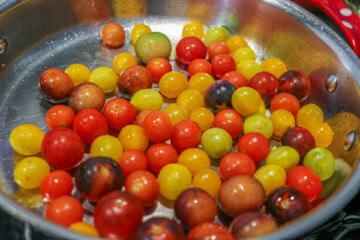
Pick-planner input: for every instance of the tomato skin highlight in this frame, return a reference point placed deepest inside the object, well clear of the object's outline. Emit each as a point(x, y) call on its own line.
point(56, 184)
point(119, 113)
point(190, 48)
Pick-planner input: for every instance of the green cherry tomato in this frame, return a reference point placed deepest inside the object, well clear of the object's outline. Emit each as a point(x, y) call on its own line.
point(259, 123)
point(321, 161)
point(216, 142)
point(284, 156)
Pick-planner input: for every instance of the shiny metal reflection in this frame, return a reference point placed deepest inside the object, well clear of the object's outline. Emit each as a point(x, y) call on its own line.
point(331, 83)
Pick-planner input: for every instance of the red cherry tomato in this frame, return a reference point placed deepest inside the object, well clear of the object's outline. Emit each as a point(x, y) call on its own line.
point(222, 64)
point(141, 117)
point(266, 84)
point(190, 48)
point(56, 184)
point(159, 155)
point(132, 160)
point(157, 126)
point(254, 145)
point(65, 211)
point(144, 186)
point(59, 116)
point(199, 65)
point(186, 134)
point(113, 35)
point(209, 230)
point(285, 101)
point(119, 112)
point(158, 67)
point(90, 124)
point(230, 121)
point(304, 179)
point(62, 148)
point(218, 47)
point(236, 78)
point(235, 164)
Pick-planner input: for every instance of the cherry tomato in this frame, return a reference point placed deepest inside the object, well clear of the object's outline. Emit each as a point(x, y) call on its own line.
point(172, 84)
point(222, 64)
point(209, 230)
point(195, 160)
point(106, 146)
point(274, 66)
point(64, 210)
point(157, 126)
point(321, 161)
point(141, 117)
point(199, 66)
point(119, 112)
point(55, 84)
point(235, 164)
point(285, 101)
point(215, 33)
point(56, 184)
point(218, 47)
point(284, 156)
point(190, 48)
point(323, 134)
point(266, 84)
point(246, 101)
point(159, 155)
point(144, 186)
point(309, 115)
point(90, 124)
point(158, 67)
point(236, 42)
point(105, 77)
point(133, 137)
point(29, 172)
point(296, 83)
point(84, 228)
point(271, 176)
point(147, 99)
point(236, 78)
point(193, 29)
point(113, 35)
point(230, 121)
point(26, 139)
point(139, 30)
point(62, 148)
point(186, 134)
point(218, 95)
point(190, 99)
point(177, 113)
point(304, 179)
point(255, 145)
point(134, 79)
point(123, 61)
point(216, 142)
point(79, 73)
point(207, 180)
point(59, 116)
point(202, 116)
point(133, 160)
point(248, 68)
point(259, 123)
point(201, 82)
point(282, 120)
point(243, 53)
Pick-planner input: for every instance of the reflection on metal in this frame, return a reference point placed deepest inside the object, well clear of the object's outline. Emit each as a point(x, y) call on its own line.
point(129, 8)
point(349, 141)
point(91, 11)
point(3, 45)
point(28, 198)
point(331, 83)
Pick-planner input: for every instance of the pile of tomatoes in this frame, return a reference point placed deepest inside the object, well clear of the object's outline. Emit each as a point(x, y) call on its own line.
point(201, 142)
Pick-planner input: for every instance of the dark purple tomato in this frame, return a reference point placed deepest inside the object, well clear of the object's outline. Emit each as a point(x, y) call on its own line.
point(159, 228)
point(295, 83)
point(55, 84)
point(134, 79)
point(209, 231)
point(252, 224)
point(98, 176)
point(87, 96)
point(300, 139)
point(194, 206)
point(218, 95)
point(190, 48)
point(266, 84)
point(287, 203)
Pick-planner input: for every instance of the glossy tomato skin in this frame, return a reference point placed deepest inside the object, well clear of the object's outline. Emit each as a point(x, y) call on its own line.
point(56, 184)
point(87, 96)
point(230, 121)
point(218, 47)
point(90, 124)
point(143, 185)
point(59, 116)
point(236, 78)
point(235, 164)
point(285, 101)
point(158, 67)
point(199, 65)
point(209, 230)
point(296, 83)
point(65, 211)
point(218, 95)
point(157, 126)
point(97, 177)
point(141, 117)
point(222, 64)
point(304, 179)
point(266, 84)
point(159, 155)
point(300, 139)
point(62, 148)
point(55, 84)
point(255, 145)
point(117, 215)
point(132, 160)
point(134, 79)
point(186, 134)
point(190, 48)
point(159, 228)
point(119, 112)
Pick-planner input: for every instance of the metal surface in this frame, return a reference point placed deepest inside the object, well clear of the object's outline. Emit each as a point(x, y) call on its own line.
point(44, 34)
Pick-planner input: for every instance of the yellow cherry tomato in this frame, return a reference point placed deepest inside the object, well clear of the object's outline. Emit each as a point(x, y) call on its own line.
point(248, 68)
point(173, 179)
point(138, 31)
point(123, 61)
point(236, 42)
point(79, 73)
point(259, 123)
point(274, 66)
point(202, 116)
point(105, 78)
point(190, 99)
point(271, 176)
point(133, 137)
point(201, 82)
point(26, 139)
point(246, 101)
point(262, 108)
point(322, 133)
point(282, 120)
point(309, 115)
point(106, 146)
point(29, 172)
point(243, 53)
point(195, 160)
point(147, 99)
point(177, 113)
point(172, 84)
point(193, 29)
point(84, 228)
point(208, 180)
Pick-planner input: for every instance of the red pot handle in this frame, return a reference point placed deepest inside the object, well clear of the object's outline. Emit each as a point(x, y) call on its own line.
point(345, 19)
